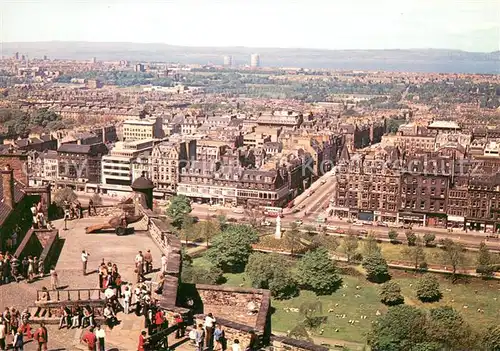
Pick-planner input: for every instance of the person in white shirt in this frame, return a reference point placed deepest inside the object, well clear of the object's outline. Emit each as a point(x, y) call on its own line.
point(127, 297)
point(163, 263)
point(209, 330)
point(236, 345)
point(100, 335)
point(85, 258)
point(109, 314)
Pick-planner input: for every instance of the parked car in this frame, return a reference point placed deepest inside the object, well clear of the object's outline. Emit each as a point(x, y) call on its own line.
point(239, 210)
point(358, 224)
point(265, 223)
point(363, 232)
point(340, 231)
point(298, 222)
point(331, 227)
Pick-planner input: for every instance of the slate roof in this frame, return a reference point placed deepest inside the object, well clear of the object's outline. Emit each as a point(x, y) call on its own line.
point(6, 210)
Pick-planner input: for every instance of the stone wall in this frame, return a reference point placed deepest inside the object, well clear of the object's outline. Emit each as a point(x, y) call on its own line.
point(233, 304)
point(284, 343)
point(41, 243)
point(232, 330)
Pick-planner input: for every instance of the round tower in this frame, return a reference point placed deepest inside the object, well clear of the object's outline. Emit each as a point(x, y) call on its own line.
point(144, 186)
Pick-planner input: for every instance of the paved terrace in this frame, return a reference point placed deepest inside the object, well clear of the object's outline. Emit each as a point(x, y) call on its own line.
point(117, 249)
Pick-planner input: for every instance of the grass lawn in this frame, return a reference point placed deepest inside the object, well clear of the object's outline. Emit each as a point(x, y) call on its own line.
point(473, 293)
point(357, 297)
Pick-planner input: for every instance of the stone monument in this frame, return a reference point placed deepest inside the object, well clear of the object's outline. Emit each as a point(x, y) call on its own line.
point(277, 233)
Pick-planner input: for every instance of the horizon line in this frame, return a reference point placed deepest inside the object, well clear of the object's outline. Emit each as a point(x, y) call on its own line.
point(247, 47)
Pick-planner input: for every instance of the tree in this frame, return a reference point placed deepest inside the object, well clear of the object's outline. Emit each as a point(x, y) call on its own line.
point(207, 229)
point(230, 250)
point(429, 238)
point(390, 294)
point(416, 254)
point(376, 268)
point(427, 288)
point(96, 199)
point(283, 285)
point(453, 255)
point(401, 327)
point(484, 261)
point(370, 246)
point(254, 217)
point(261, 268)
point(393, 235)
point(292, 238)
point(180, 206)
point(411, 238)
point(222, 220)
point(491, 338)
point(317, 272)
point(187, 226)
point(64, 194)
point(312, 312)
point(350, 245)
point(447, 327)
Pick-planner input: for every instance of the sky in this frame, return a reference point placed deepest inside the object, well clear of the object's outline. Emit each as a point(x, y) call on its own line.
point(471, 25)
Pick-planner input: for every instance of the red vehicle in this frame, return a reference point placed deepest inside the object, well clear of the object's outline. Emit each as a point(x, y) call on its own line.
point(290, 204)
point(273, 211)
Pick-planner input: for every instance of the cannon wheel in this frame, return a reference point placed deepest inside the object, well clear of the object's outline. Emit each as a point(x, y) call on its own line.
point(120, 231)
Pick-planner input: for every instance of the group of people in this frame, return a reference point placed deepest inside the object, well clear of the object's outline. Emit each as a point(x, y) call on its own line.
point(14, 323)
point(107, 274)
point(76, 317)
point(13, 269)
point(210, 335)
point(39, 220)
point(143, 265)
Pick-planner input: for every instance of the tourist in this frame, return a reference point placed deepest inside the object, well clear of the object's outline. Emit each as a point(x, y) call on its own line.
point(160, 321)
point(35, 267)
point(18, 343)
point(200, 337)
point(41, 268)
point(179, 333)
point(148, 262)
point(24, 265)
point(236, 345)
point(65, 320)
point(100, 335)
point(163, 263)
point(85, 259)
point(161, 282)
point(253, 344)
point(139, 267)
point(88, 317)
point(31, 269)
point(3, 336)
point(41, 337)
point(192, 335)
point(90, 339)
point(142, 341)
point(91, 208)
point(127, 296)
point(77, 317)
point(14, 320)
point(103, 272)
point(110, 316)
point(209, 329)
point(6, 319)
point(218, 337)
point(54, 279)
point(25, 318)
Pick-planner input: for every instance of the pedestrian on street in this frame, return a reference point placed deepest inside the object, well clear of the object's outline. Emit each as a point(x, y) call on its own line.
point(100, 335)
point(142, 341)
point(163, 263)
point(90, 339)
point(41, 337)
point(54, 279)
point(18, 343)
point(148, 262)
point(85, 259)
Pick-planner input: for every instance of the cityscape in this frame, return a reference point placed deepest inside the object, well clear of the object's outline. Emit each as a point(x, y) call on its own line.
point(247, 195)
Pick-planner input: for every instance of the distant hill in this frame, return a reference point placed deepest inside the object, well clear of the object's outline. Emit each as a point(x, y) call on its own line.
point(418, 60)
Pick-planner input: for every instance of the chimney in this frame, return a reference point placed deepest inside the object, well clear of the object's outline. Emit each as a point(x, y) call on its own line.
point(8, 186)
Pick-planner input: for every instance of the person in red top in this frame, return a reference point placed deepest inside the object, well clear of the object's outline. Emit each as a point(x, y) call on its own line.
point(90, 339)
point(142, 342)
point(41, 338)
point(159, 320)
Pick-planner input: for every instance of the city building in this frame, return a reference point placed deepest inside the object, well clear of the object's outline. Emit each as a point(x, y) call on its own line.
point(79, 165)
point(139, 67)
point(228, 61)
point(143, 129)
point(255, 60)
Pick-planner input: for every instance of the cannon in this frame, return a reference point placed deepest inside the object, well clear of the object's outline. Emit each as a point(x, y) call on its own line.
point(118, 223)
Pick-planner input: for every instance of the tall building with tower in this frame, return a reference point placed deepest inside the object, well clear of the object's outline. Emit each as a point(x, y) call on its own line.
point(139, 67)
point(93, 60)
point(16, 56)
point(255, 60)
point(228, 61)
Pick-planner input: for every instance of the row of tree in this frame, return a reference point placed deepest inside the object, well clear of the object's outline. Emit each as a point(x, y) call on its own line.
point(20, 123)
